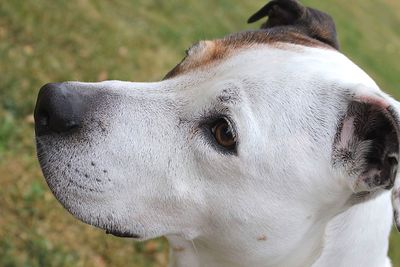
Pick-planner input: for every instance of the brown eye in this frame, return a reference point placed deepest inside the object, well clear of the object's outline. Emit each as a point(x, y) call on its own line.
point(224, 134)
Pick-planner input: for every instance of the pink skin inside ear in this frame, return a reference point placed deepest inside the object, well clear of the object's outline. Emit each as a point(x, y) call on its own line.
point(347, 132)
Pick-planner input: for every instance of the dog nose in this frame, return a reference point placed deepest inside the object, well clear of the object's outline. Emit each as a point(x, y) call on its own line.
point(58, 109)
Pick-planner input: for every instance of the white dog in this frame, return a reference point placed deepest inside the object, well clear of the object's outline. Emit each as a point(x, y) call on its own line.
point(264, 148)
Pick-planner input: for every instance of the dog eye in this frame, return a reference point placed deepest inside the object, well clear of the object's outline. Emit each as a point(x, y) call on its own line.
point(224, 134)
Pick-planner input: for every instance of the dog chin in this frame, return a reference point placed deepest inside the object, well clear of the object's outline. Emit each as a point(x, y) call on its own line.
point(104, 219)
point(89, 204)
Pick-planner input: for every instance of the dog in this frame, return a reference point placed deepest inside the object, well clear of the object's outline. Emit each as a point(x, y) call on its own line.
point(263, 148)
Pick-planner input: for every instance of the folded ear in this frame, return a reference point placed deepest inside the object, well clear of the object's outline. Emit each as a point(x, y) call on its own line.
point(366, 146)
point(308, 21)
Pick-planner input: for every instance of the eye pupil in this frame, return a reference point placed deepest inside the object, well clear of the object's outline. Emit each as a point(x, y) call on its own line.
point(224, 134)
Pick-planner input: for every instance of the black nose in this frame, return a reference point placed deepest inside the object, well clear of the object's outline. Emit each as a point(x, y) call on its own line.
point(58, 109)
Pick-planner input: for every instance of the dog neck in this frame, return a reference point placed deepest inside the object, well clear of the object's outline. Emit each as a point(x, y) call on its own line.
point(201, 252)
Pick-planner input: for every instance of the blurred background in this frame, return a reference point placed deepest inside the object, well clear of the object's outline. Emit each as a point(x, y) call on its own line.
point(140, 40)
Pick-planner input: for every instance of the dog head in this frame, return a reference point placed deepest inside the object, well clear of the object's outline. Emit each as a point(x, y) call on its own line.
point(266, 133)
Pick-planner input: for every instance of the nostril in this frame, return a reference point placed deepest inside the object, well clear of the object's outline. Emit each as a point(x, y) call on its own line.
point(59, 124)
point(71, 124)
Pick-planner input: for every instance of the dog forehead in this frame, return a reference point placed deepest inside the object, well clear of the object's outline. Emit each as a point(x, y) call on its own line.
point(206, 52)
point(261, 73)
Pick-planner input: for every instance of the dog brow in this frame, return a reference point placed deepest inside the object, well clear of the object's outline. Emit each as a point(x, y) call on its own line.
point(206, 52)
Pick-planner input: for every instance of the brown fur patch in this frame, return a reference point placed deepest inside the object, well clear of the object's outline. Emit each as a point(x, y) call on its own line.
point(262, 238)
point(206, 52)
point(178, 249)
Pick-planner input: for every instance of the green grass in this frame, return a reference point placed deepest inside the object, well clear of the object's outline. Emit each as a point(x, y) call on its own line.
point(140, 40)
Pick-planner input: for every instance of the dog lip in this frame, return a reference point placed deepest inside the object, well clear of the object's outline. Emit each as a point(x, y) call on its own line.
point(122, 234)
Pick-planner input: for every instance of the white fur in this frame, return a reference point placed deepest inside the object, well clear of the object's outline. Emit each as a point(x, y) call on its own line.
point(279, 202)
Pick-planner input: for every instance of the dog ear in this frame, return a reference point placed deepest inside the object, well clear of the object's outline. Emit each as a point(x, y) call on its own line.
point(367, 144)
point(308, 21)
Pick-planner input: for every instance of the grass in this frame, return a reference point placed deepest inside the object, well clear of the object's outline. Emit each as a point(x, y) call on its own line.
point(140, 40)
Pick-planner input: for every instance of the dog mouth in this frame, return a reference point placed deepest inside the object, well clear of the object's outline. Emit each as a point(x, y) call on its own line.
point(123, 234)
